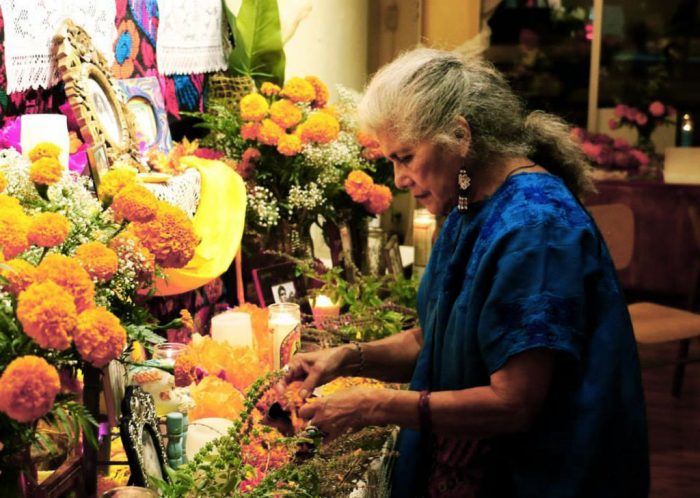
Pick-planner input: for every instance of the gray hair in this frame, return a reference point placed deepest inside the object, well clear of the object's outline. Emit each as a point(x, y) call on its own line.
point(420, 95)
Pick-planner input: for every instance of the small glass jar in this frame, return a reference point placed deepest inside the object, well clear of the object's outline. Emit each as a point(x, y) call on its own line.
point(284, 323)
point(168, 351)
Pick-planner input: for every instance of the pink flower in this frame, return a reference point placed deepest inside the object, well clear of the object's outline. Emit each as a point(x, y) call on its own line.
point(640, 156)
point(641, 119)
point(612, 123)
point(621, 143)
point(620, 110)
point(657, 109)
point(592, 151)
point(631, 113)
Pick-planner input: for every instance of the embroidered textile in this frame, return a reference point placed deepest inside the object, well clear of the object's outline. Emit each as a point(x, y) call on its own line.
point(181, 191)
point(30, 27)
point(190, 37)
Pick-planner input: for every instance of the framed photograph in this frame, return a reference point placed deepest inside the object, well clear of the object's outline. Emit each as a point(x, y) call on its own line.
point(114, 381)
point(278, 284)
point(145, 101)
point(392, 256)
point(98, 162)
point(141, 437)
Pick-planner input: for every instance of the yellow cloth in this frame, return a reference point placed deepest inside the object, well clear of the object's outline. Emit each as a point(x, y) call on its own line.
point(218, 222)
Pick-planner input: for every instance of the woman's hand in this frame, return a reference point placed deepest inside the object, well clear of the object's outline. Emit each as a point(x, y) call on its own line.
point(317, 368)
point(345, 411)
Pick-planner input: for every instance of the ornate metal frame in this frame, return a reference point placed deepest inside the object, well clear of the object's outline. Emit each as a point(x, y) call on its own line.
point(139, 417)
point(79, 62)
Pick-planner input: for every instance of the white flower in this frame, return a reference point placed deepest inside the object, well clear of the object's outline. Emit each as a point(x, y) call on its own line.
point(308, 198)
point(263, 207)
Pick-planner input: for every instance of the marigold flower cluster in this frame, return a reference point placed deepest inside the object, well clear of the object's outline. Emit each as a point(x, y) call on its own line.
point(215, 397)
point(99, 261)
point(99, 336)
point(46, 171)
point(47, 314)
point(130, 250)
point(14, 227)
point(68, 273)
point(48, 229)
point(115, 180)
point(134, 202)
point(20, 275)
point(361, 188)
point(28, 388)
point(44, 149)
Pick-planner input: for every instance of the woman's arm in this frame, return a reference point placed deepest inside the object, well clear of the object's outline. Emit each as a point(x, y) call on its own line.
point(391, 359)
point(509, 404)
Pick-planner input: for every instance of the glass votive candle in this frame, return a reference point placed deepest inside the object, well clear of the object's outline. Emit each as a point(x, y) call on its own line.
point(284, 323)
point(167, 351)
point(324, 309)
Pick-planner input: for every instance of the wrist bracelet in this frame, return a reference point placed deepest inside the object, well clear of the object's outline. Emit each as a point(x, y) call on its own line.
point(361, 367)
point(424, 416)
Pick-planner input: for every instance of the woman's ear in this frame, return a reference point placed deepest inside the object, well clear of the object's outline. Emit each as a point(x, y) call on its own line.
point(464, 135)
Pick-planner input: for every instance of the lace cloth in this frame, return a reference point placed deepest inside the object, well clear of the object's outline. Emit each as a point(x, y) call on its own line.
point(182, 191)
point(29, 30)
point(190, 37)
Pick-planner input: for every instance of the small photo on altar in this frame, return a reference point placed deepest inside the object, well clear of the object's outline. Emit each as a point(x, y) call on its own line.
point(284, 293)
point(278, 284)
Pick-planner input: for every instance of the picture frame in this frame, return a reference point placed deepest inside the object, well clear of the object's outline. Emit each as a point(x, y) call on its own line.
point(98, 163)
point(92, 94)
point(114, 382)
point(141, 437)
point(278, 283)
point(392, 256)
point(144, 99)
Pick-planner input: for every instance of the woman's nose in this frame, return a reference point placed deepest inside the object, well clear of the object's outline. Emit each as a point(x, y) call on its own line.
point(401, 179)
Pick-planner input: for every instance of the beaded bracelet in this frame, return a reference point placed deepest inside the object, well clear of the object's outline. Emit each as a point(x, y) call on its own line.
point(424, 415)
point(362, 358)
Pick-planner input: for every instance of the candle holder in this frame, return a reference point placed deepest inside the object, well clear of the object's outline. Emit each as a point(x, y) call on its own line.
point(323, 309)
point(284, 323)
point(234, 328)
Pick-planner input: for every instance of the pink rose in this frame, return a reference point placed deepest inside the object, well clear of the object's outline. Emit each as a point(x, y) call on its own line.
point(612, 123)
point(631, 114)
point(620, 110)
point(657, 109)
point(641, 119)
point(640, 156)
point(592, 151)
point(621, 143)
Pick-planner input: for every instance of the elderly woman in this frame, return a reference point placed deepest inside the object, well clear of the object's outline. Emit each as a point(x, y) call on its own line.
point(524, 376)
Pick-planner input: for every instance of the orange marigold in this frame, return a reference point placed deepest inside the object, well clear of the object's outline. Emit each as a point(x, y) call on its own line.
point(28, 388)
point(69, 274)
point(285, 114)
point(321, 91)
point(250, 131)
point(44, 149)
point(298, 90)
point(134, 203)
point(115, 180)
point(379, 199)
point(270, 132)
point(261, 333)
point(358, 185)
point(214, 397)
point(253, 107)
point(47, 314)
point(320, 127)
point(19, 276)
point(99, 261)
point(269, 89)
point(372, 154)
point(367, 140)
point(289, 145)
point(129, 248)
point(46, 171)
point(48, 229)
point(14, 228)
point(169, 236)
point(184, 371)
point(99, 337)
point(3, 181)
point(187, 321)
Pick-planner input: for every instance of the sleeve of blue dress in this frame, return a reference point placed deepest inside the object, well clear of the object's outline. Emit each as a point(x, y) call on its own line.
point(534, 284)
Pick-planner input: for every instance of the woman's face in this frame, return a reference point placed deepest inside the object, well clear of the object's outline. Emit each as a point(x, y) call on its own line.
point(428, 170)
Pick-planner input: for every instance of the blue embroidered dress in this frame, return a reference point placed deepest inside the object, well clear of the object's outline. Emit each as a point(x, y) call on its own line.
point(527, 269)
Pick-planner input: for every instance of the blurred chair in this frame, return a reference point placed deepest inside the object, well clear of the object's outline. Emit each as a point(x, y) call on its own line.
point(653, 323)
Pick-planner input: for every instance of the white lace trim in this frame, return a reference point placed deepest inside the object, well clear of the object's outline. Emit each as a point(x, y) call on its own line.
point(182, 191)
point(190, 37)
point(29, 30)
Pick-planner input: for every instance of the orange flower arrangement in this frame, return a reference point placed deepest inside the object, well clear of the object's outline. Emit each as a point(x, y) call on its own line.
point(115, 180)
point(20, 275)
point(319, 127)
point(253, 107)
point(99, 261)
point(69, 274)
point(134, 202)
point(269, 89)
point(48, 229)
point(321, 91)
point(14, 228)
point(262, 339)
point(130, 249)
point(99, 336)
point(46, 171)
point(285, 114)
point(169, 236)
point(298, 90)
point(28, 388)
point(47, 314)
point(379, 199)
point(250, 131)
point(358, 185)
point(270, 132)
point(44, 149)
point(214, 397)
point(289, 145)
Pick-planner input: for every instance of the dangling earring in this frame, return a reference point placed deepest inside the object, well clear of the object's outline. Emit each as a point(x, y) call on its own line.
point(463, 182)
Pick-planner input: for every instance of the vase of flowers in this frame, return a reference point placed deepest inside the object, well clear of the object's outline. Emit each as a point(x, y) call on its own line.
point(644, 120)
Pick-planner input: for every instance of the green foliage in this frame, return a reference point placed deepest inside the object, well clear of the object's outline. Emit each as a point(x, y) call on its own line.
point(259, 50)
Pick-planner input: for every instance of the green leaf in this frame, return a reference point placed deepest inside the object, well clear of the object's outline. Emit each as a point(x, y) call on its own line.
point(259, 50)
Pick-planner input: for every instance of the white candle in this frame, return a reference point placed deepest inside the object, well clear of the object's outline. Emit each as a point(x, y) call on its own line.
point(323, 308)
point(423, 230)
point(284, 323)
point(234, 328)
point(51, 128)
